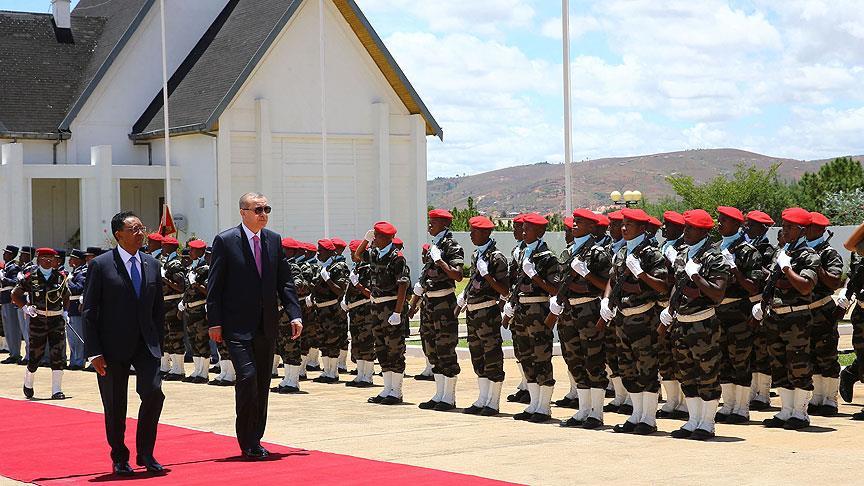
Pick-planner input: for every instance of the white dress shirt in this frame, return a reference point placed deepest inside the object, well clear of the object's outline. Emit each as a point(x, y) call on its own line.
point(249, 235)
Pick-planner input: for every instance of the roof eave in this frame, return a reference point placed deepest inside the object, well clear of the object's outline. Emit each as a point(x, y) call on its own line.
point(5, 134)
point(184, 130)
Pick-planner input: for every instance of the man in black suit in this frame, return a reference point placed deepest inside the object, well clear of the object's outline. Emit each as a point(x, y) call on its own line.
point(247, 274)
point(123, 321)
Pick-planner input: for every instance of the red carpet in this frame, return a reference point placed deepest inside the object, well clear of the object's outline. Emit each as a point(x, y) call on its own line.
point(47, 444)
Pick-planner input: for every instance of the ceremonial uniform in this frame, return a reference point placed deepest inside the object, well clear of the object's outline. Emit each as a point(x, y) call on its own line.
point(332, 320)
point(11, 327)
point(675, 406)
point(621, 402)
point(173, 286)
point(855, 288)
point(194, 308)
point(521, 395)
point(289, 349)
point(25, 265)
point(360, 320)
point(76, 293)
point(760, 387)
point(309, 345)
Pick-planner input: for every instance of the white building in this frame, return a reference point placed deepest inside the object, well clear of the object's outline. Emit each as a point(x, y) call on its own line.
point(81, 122)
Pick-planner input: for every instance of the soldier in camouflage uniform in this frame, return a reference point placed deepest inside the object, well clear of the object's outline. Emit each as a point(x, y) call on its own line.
point(417, 303)
point(637, 281)
point(756, 226)
point(490, 280)
point(342, 364)
point(358, 305)
point(47, 293)
point(437, 285)
point(785, 308)
point(675, 406)
point(521, 395)
point(226, 376)
point(621, 402)
point(701, 276)
point(8, 279)
point(854, 289)
point(571, 399)
point(173, 286)
point(528, 307)
point(286, 347)
point(390, 277)
point(824, 335)
point(585, 276)
point(193, 306)
point(736, 334)
point(328, 286)
point(309, 344)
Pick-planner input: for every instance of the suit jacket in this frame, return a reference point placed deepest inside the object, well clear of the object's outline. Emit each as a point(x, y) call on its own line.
point(114, 317)
point(240, 300)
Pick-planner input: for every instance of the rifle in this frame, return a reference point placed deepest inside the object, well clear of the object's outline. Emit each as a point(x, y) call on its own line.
point(681, 283)
point(564, 288)
point(618, 288)
point(771, 285)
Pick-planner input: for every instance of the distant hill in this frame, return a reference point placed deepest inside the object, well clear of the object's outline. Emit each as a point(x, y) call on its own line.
point(540, 187)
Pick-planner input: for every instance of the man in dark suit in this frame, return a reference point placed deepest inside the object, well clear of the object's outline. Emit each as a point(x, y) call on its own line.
point(248, 276)
point(123, 321)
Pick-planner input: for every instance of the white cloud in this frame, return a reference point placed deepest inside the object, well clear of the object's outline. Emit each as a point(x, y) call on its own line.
point(480, 17)
point(579, 26)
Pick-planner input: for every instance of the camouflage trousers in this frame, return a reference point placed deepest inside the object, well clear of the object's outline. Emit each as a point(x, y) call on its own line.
point(858, 339)
point(287, 348)
point(582, 345)
point(173, 343)
point(696, 348)
point(223, 351)
point(389, 340)
point(736, 343)
point(310, 329)
point(442, 335)
point(611, 342)
point(824, 337)
point(332, 330)
point(484, 343)
point(788, 338)
point(666, 359)
point(535, 342)
point(637, 351)
point(196, 329)
point(47, 332)
point(760, 359)
point(362, 341)
point(425, 330)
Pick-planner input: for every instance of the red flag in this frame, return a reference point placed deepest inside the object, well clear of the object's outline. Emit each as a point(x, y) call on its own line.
point(166, 224)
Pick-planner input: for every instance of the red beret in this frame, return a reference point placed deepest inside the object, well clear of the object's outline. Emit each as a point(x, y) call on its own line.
point(309, 246)
point(520, 218)
point(339, 243)
point(634, 215)
point(326, 244)
point(440, 213)
point(586, 214)
point(289, 243)
point(197, 244)
point(819, 219)
point(602, 220)
point(731, 212)
point(673, 217)
point(46, 251)
point(481, 222)
point(797, 216)
point(426, 246)
point(535, 218)
point(568, 222)
point(760, 217)
point(385, 228)
point(615, 216)
point(397, 241)
point(170, 240)
point(354, 244)
point(654, 222)
point(154, 237)
point(698, 218)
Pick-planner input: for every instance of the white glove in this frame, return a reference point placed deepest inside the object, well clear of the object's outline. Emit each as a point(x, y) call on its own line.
point(418, 289)
point(509, 311)
point(757, 311)
point(161, 270)
point(395, 319)
point(325, 275)
point(308, 300)
point(529, 268)
point(729, 257)
point(783, 259)
point(634, 265)
point(181, 306)
point(671, 253)
point(482, 267)
point(190, 277)
point(691, 268)
point(66, 316)
point(579, 267)
point(30, 310)
point(554, 307)
point(666, 317)
point(605, 312)
point(343, 304)
point(435, 253)
point(842, 301)
point(354, 278)
point(370, 235)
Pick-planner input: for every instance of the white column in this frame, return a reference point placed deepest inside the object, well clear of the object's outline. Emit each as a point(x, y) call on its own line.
point(18, 213)
point(100, 196)
point(382, 147)
point(264, 153)
point(418, 205)
point(227, 207)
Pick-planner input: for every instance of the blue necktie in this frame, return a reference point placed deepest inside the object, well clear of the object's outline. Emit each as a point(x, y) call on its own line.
point(136, 276)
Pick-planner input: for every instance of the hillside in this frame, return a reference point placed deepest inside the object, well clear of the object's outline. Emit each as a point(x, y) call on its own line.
point(540, 187)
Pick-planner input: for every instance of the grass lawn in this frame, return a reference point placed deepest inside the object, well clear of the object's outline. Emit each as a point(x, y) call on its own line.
point(846, 359)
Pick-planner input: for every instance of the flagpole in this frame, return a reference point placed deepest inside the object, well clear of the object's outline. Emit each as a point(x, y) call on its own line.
point(568, 150)
point(325, 189)
point(165, 110)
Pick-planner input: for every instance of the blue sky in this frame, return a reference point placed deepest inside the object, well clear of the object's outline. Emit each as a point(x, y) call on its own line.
point(779, 78)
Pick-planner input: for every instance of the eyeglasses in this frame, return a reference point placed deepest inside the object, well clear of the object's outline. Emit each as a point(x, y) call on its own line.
point(137, 229)
point(259, 209)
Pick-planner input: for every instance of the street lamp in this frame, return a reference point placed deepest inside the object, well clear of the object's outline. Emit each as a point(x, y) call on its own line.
point(629, 198)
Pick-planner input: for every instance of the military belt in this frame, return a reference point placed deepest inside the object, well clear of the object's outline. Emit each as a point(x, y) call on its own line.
point(481, 305)
point(823, 301)
point(326, 303)
point(699, 316)
point(439, 293)
point(729, 300)
point(172, 297)
point(49, 313)
point(4, 289)
point(195, 304)
point(383, 298)
point(755, 298)
point(581, 300)
point(640, 309)
point(788, 309)
point(75, 297)
point(533, 299)
point(353, 305)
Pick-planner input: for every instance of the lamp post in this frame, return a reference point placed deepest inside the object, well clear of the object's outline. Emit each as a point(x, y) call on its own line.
point(629, 198)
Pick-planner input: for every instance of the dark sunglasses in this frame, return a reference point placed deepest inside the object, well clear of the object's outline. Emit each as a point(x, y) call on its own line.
point(260, 209)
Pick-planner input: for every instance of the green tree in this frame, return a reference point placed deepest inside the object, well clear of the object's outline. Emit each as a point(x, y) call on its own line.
point(843, 174)
point(845, 207)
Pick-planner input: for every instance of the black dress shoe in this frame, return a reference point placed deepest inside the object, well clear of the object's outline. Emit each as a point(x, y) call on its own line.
point(572, 422)
point(539, 418)
point(663, 414)
point(150, 463)
point(519, 396)
point(215, 382)
point(827, 411)
point(215, 369)
point(523, 416)
point(719, 418)
point(795, 423)
point(391, 400)
point(173, 377)
point(23, 362)
point(473, 410)
point(312, 368)
point(188, 379)
point(58, 396)
point(611, 408)
point(428, 405)
point(342, 370)
point(701, 434)
point(364, 384)
point(200, 380)
point(28, 392)
point(225, 383)
point(284, 390)
point(847, 383)
point(592, 423)
point(625, 428)
point(774, 423)
point(9, 360)
point(567, 402)
point(375, 399)
point(681, 433)
point(736, 419)
point(625, 409)
point(444, 407)
point(644, 429)
point(491, 412)
point(424, 377)
point(858, 415)
point(255, 454)
point(759, 405)
point(122, 469)
point(610, 393)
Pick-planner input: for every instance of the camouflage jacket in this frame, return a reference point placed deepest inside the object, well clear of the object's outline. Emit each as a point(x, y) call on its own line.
point(364, 275)
point(831, 262)
point(338, 269)
point(388, 272)
point(196, 276)
point(546, 265)
point(748, 259)
point(46, 295)
point(432, 277)
point(652, 262)
point(712, 268)
point(173, 271)
point(599, 264)
point(478, 289)
point(805, 262)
